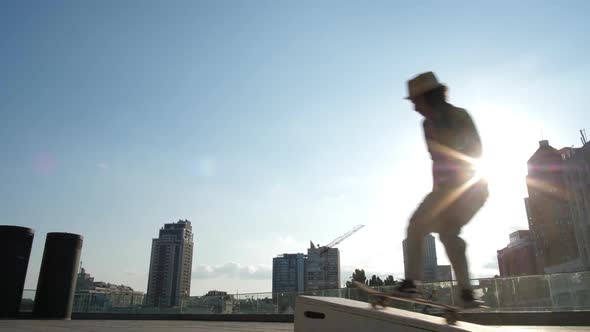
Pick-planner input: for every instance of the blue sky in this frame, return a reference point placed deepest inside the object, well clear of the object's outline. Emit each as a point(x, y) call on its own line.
point(269, 123)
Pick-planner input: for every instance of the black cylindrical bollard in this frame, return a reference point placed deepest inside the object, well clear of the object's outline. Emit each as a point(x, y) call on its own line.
point(57, 278)
point(15, 250)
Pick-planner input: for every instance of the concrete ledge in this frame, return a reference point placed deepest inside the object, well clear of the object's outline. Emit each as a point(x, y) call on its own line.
point(323, 314)
point(539, 318)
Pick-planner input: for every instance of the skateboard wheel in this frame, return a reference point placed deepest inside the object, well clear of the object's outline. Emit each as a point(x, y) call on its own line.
point(451, 317)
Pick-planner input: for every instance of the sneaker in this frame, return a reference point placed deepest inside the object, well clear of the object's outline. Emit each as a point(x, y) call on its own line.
point(407, 288)
point(469, 301)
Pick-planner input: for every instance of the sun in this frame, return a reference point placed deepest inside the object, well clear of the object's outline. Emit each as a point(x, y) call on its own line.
point(505, 174)
point(483, 169)
point(493, 172)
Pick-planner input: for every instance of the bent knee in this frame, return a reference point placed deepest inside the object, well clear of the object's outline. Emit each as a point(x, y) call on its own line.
point(452, 240)
point(416, 230)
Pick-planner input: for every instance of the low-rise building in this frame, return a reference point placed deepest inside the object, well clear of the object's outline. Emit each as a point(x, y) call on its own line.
point(518, 258)
point(99, 296)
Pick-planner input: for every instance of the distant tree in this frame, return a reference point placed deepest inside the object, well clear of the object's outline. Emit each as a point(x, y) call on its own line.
point(357, 275)
point(375, 281)
point(389, 281)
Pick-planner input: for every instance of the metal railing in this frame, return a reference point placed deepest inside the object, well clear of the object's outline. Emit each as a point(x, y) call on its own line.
point(551, 292)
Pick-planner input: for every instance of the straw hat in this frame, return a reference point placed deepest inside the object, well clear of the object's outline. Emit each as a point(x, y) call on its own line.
point(421, 84)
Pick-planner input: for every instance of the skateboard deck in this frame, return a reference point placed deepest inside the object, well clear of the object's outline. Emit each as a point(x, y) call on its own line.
point(451, 313)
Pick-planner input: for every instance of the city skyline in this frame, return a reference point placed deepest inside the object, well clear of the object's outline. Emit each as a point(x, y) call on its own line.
point(269, 125)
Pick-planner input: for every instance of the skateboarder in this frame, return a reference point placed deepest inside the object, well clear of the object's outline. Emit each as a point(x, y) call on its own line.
point(457, 194)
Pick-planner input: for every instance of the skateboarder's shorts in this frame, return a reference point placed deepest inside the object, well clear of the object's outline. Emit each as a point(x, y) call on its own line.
point(449, 209)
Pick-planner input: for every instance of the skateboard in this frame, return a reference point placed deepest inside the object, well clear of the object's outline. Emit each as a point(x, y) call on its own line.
point(451, 313)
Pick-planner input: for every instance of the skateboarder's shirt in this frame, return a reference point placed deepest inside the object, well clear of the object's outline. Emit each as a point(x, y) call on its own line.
point(453, 142)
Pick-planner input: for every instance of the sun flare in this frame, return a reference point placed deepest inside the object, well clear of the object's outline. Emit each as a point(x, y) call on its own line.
point(483, 169)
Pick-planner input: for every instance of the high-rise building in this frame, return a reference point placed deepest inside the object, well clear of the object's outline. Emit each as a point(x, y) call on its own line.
point(170, 265)
point(577, 182)
point(288, 278)
point(444, 273)
point(322, 268)
point(550, 219)
point(288, 273)
point(430, 265)
point(319, 269)
point(518, 258)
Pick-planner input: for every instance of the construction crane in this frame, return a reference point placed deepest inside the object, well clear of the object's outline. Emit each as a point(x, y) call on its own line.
point(324, 266)
point(338, 239)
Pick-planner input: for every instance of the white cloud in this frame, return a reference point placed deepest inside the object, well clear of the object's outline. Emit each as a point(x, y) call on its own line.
point(102, 165)
point(233, 270)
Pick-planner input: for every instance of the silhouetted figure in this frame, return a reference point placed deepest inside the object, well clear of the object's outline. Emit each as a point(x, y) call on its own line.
point(457, 195)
